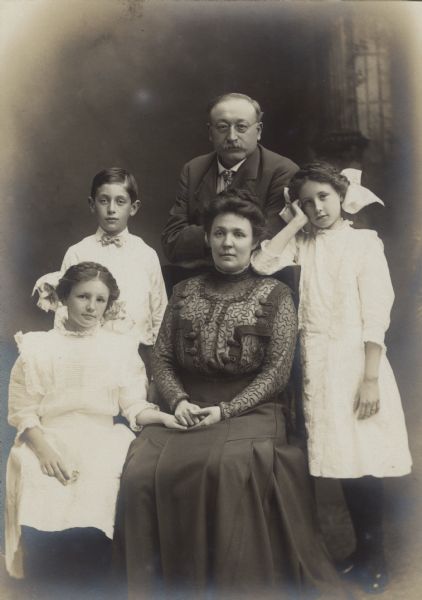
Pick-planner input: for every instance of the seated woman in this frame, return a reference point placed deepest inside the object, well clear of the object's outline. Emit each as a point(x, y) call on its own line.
point(224, 507)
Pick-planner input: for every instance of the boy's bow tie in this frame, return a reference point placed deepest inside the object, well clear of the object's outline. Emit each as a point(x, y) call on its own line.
point(106, 240)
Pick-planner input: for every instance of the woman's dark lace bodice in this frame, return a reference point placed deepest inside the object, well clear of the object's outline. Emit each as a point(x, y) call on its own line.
point(227, 326)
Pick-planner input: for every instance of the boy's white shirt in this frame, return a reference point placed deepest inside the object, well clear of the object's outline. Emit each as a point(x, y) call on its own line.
point(136, 268)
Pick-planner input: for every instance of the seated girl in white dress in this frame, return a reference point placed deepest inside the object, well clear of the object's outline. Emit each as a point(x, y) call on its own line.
point(64, 469)
point(353, 413)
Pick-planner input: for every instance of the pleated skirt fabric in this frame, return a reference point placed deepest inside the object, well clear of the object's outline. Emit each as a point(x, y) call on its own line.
point(221, 512)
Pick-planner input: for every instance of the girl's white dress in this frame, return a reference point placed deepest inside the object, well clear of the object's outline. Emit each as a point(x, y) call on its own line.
point(70, 385)
point(345, 300)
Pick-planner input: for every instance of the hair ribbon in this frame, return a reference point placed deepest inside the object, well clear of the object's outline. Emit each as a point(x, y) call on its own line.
point(48, 300)
point(45, 287)
point(357, 196)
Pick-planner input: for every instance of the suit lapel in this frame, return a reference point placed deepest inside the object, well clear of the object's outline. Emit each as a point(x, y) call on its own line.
point(207, 185)
point(247, 175)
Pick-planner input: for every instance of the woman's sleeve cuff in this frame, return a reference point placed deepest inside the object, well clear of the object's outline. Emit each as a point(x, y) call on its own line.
point(224, 412)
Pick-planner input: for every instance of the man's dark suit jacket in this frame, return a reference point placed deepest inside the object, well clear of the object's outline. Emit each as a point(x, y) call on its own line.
point(264, 173)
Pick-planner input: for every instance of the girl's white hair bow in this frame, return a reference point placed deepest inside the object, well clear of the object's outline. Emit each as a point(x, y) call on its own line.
point(48, 300)
point(45, 287)
point(357, 196)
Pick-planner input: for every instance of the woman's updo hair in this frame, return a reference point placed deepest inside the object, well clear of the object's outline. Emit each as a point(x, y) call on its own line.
point(239, 202)
point(87, 271)
point(321, 172)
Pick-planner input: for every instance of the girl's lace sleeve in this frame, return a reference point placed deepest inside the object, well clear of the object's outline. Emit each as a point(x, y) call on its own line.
point(275, 370)
point(266, 261)
point(133, 388)
point(375, 290)
point(23, 404)
point(164, 363)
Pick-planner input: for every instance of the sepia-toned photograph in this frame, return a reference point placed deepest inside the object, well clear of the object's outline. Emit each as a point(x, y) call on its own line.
point(211, 300)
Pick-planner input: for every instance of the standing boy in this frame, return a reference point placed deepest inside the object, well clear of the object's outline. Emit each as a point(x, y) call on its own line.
point(134, 264)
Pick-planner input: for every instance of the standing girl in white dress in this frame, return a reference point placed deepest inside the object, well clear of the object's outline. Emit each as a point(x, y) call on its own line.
point(354, 419)
point(64, 469)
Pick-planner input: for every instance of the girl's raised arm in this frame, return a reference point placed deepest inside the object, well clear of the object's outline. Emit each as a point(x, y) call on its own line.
point(280, 251)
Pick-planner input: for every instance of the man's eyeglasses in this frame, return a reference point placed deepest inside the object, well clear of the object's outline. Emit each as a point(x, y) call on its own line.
point(226, 127)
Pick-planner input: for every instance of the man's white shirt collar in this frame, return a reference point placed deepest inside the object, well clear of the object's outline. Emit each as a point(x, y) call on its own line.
point(235, 167)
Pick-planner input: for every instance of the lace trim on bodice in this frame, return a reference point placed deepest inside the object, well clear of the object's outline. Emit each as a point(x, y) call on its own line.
point(61, 321)
point(227, 326)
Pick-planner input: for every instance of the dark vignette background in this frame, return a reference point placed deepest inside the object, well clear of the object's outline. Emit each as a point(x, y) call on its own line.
point(95, 83)
point(106, 82)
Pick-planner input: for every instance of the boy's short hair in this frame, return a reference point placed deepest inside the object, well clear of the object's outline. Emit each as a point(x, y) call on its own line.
point(115, 175)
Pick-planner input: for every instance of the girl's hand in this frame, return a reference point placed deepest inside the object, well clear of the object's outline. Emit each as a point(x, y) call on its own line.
point(187, 413)
point(52, 465)
point(209, 416)
point(367, 402)
point(299, 216)
point(171, 422)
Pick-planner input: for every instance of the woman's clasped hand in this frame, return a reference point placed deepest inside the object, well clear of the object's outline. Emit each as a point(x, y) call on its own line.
point(192, 416)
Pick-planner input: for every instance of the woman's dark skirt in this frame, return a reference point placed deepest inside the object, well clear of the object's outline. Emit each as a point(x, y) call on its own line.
point(225, 511)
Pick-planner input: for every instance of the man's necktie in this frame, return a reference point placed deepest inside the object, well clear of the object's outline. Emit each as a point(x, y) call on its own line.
point(106, 240)
point(228, 178)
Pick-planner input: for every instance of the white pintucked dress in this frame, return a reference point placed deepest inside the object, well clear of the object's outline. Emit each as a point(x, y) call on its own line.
point(70, 386)
point(345, 300)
